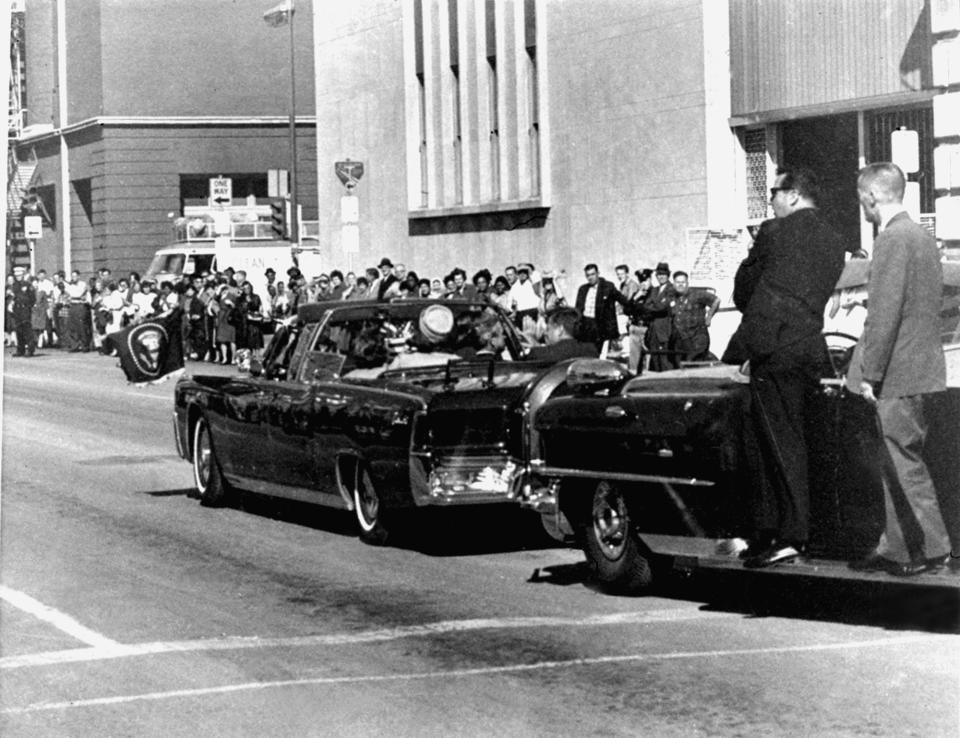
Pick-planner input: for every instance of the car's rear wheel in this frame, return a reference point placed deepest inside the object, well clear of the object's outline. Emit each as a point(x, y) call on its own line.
point(614, 551)
point(369, 508)
point(211, 487)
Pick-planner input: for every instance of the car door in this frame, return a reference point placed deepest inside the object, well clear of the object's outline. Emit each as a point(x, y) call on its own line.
point(239, 435)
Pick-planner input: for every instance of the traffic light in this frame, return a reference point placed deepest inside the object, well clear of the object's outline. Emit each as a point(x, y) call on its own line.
point(278, 218)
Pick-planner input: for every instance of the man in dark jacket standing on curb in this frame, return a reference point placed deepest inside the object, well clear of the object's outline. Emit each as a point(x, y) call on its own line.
point(785, 283)
point(597, 305)
point(903, 369)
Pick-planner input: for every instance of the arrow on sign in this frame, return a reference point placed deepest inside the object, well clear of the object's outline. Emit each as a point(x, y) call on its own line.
point(221, 200)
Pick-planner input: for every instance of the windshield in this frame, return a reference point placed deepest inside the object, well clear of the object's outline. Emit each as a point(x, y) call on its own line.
point(166, 263)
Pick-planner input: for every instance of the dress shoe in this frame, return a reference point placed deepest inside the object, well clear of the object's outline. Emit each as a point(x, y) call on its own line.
point(872, 562)
point(775, 554)
point(953, 564)
point(756, 547)
point(917, 566)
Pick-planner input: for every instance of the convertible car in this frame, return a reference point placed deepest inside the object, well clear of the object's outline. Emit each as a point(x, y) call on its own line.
point(650, 470)
point(372, 407)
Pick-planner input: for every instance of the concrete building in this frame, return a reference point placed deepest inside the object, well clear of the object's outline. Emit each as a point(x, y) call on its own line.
point(563, 132)
point(132, 107)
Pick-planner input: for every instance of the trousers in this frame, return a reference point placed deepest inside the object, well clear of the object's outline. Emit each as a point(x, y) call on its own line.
point(779, 398)
point(914, 527)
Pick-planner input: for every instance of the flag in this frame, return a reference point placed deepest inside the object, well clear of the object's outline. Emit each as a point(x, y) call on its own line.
point(279, 15)
point(152, 351)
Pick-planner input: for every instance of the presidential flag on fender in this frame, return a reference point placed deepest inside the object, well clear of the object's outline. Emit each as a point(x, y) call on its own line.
point(151, 351)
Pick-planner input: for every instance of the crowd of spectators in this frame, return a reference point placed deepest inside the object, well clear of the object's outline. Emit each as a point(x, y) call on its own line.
point(644, 317)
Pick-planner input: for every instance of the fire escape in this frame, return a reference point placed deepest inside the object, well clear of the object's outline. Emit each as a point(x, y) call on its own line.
point(19, 173)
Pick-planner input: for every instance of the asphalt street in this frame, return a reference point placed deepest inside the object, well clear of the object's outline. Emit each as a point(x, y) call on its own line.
point(126, 608)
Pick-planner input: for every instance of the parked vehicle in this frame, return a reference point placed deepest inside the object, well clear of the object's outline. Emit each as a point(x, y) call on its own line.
point(372, 407)
point(650, 470)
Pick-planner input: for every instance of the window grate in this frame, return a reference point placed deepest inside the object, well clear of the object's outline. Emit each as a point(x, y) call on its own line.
point(755, 146)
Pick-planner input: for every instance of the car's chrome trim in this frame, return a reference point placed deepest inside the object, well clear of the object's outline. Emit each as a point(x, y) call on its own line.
point(178, 438)
point(540, 468)
point(301, 494)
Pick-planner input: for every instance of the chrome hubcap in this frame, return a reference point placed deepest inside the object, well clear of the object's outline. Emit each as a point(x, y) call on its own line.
point(610, 520)
point(368, 505)
point(203, 458)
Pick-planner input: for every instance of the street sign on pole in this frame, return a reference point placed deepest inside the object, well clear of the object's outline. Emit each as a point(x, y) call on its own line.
point(33, 227)
point(221, 191)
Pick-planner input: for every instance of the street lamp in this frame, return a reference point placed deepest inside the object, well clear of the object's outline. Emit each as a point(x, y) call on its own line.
point(277, 16)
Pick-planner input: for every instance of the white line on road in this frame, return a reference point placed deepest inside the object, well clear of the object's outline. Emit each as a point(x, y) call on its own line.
point(119, 650)
point(57, 619)
point(480, 671)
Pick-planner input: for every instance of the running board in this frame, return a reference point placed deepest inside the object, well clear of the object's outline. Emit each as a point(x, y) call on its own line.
point(692, 554)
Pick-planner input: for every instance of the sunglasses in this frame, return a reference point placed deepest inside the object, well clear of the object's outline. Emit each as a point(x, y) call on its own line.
point(775, 190)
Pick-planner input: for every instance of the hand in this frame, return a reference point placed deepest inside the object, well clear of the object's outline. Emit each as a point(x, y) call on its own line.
point(866, 389)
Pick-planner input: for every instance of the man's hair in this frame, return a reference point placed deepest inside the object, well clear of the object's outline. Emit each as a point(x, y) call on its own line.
point(485, 273)
point(622, 267)
point(373, 273)
point(883, 178)
point(363, 281)
point(565, 318)
point(508, 267)
point(336, 273)
point(803, 180)
point(590, 266)
point(461, 272)
point(681, 273)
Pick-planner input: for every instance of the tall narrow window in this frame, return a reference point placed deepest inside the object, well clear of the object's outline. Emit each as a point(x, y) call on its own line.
point(454, 40)
point(424, 162)
point(494, 129)
point(533, 135)
point(457, 137)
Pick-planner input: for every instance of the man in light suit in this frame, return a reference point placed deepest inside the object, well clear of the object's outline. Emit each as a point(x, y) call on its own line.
point(903, 370)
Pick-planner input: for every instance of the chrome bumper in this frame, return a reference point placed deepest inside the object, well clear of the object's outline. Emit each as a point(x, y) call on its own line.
point(464, 480)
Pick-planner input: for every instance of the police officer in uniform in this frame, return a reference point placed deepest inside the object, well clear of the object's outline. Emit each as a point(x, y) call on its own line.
point(24, 298)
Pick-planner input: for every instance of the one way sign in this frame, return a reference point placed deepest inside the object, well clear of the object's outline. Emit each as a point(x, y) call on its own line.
point(221, 191)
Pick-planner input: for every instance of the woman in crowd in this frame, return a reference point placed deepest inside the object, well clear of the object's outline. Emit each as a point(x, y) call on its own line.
point(226, 301)
point(501, 294)
point(350, 284)
point(481, 281)
point(38, 314)
point(252, 307)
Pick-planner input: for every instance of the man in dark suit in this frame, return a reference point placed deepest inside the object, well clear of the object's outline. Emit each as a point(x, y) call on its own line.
point(656, 314)
point(597, 305)
point(561, 339)
point(903, 371)
point(791, 276)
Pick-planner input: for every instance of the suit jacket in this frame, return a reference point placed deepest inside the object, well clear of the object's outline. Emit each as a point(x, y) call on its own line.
point(793, 276)
point(606, 309)
point(901, 338)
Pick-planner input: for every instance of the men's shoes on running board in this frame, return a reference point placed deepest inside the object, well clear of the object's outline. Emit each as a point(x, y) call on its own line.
point(776, 554)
